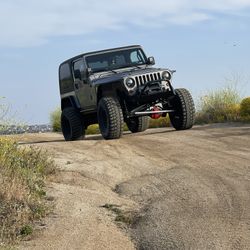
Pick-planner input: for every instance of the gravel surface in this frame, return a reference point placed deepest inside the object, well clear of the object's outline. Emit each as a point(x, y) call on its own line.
point(13, 129)
point(184, 190)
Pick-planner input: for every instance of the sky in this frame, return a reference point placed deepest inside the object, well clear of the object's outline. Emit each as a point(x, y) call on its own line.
point(206, 42)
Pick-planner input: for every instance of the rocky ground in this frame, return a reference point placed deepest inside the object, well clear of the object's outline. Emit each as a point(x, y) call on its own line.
point(161, 189)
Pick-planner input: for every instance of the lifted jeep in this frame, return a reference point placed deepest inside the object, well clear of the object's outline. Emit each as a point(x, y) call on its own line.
point(119, 85)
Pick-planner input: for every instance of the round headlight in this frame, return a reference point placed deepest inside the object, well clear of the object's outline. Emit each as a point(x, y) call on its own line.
point(166, 75)
point(130, 83)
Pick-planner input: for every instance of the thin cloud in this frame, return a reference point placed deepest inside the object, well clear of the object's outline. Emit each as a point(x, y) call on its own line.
point(32, 23)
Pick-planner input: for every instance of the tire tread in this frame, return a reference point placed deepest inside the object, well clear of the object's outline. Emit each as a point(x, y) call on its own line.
point(115, 117)
point(187, 108)
point(75, 120)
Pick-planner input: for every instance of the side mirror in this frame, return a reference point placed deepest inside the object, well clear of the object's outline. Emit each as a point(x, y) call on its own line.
point(88, 71)
point(151, 60)
point(77, 74)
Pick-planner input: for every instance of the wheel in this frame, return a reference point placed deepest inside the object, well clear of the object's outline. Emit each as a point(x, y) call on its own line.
point(183, 104)
point(110, 118)
point(72, 124)
point(138, 124)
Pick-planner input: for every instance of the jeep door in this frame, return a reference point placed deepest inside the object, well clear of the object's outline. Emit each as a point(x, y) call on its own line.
point(85, 93)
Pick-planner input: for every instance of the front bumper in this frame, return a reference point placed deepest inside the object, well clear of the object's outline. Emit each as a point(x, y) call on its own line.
point(151, 91)
point(154, 87)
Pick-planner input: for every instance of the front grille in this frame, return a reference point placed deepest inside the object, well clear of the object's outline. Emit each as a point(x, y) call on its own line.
point(142, 79)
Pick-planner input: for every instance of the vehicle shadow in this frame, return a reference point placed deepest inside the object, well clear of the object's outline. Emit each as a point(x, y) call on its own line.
point(99, 137)
point(153, 131)
point(39, 142)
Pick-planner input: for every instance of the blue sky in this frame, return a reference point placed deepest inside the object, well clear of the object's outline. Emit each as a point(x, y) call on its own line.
point(206, 42)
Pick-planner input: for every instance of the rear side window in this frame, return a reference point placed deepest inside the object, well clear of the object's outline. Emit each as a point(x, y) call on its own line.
point(78, 66)
point(66, 82)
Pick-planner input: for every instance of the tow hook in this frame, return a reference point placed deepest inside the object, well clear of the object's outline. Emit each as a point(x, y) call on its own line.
point(156, 115)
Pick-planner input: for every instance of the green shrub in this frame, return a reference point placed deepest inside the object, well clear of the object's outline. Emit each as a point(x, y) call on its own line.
point(93, 129)
point(220, 105)
point(26, 230)
point(22, 197)
point(245, 107)
point(55, 120)
point(159, 123)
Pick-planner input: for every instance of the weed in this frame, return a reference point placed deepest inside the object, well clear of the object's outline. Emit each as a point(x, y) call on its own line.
point(22, 196)
point(109, 206)
point(126, 218)
point(26, 230)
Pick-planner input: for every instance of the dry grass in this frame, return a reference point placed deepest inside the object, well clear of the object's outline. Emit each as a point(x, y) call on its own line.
point(22, 196)
point(221, 105)
point(8, 117)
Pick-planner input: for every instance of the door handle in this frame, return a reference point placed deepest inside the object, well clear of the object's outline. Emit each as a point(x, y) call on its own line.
point(76, 85)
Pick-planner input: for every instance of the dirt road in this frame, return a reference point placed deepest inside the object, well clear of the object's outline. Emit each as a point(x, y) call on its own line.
point(163, 189)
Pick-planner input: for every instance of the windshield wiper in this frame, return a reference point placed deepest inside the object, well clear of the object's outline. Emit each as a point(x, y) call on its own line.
point(136, 66)
point(108, 69)
point(129, 66)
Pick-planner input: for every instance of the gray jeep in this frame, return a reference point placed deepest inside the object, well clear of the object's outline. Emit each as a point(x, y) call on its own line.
point(119, 85)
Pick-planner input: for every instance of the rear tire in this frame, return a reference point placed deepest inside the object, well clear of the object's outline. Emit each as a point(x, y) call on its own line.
point(183, 104)
point(72, 124)
point(110, 118)
point(138, 124)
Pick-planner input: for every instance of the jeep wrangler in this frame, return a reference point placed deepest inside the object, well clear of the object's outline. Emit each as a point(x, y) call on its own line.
point(114, 86)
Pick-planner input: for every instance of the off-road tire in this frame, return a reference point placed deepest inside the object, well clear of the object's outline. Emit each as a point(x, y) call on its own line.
point(138, 124)
point(72, 124)
point(184, 115)
point(110, 118)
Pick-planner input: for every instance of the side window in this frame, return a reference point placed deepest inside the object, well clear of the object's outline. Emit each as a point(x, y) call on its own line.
point(136, 57)
point(66, 84)
point(64, 71)
point(78, 68)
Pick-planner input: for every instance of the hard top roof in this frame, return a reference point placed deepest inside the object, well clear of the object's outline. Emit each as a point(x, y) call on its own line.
point(100, 51)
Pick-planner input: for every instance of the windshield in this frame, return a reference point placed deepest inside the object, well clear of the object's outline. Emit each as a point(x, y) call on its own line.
point(116, 59)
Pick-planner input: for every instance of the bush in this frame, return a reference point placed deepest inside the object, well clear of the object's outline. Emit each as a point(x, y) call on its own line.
point(221, 105)
point(55, 120)
point(159, 123)
point(22, 196)
point(245, 107)
point(93, 129)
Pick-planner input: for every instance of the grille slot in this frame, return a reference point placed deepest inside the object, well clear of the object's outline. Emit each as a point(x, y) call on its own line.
point(142, 79)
